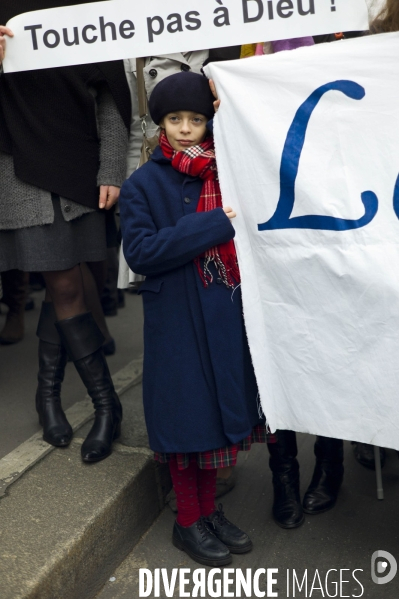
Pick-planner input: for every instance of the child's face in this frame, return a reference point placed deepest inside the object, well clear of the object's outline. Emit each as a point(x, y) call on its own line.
point(184, 129)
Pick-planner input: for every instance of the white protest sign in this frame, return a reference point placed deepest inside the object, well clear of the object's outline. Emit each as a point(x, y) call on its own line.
point(117, 29)
point(307, 145)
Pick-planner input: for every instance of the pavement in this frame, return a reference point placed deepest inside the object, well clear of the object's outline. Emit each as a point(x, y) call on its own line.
point(66, 525)
point(18, 370)
point(69, 530)
point(341, 540)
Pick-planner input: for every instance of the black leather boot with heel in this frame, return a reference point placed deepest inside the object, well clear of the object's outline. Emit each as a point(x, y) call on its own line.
point(287, 508)
point(327, 476)
point(83, 341)
point(52, 360)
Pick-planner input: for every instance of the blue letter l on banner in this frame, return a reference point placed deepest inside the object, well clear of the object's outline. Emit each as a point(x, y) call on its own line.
point(289, 170)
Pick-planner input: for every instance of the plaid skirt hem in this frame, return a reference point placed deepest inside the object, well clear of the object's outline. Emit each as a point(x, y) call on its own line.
point(218, 458)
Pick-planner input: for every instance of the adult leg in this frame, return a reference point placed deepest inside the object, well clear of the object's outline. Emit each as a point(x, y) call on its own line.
point(225, 481)
point(109, 295)
point(287, 508)
point(76, 291)
point(94, 276)
point(327, 476)
point(364, 454)
point(82, 338)
point(52, 361)
point(15, 287)
point(65, 288)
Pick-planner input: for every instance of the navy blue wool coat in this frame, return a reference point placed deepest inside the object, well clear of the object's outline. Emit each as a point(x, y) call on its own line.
point(199, 388)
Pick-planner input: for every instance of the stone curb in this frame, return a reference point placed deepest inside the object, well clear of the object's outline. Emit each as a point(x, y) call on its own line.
point(26, 455)
point(66, 525)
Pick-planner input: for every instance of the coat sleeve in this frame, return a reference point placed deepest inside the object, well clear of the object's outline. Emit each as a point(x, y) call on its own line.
point(151, 251)
point(113, 140)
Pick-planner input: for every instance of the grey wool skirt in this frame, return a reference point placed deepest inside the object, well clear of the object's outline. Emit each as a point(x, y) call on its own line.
point(59, 246)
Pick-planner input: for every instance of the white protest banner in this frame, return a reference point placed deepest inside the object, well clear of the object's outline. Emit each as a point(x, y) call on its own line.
point(307, 145)
point(117, 29)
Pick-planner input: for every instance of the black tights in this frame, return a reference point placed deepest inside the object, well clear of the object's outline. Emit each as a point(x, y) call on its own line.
point(78, 290)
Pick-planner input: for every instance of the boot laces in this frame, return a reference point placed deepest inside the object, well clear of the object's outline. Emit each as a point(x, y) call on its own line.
point(220, 517)
point(203, 527)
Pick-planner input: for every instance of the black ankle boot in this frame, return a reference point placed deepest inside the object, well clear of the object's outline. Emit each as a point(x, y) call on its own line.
point(52, 360)
point(201, 544)
point(287, 508)
point(327, 476)
point(83, 340)
point(364, 454)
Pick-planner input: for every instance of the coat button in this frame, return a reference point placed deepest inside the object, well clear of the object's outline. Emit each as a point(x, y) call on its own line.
point(219, 281)
point(67, 208)
point(187, 200)
point(153, 73)
point(185, 67)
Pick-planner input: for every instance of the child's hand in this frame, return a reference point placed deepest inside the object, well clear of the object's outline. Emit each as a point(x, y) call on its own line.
point(4, 31)
point(216, 104)
point(229, 212)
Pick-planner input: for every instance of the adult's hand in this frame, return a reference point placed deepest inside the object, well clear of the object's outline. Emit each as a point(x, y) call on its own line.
point(109, 195)
point(212, 85)
point(3, 32)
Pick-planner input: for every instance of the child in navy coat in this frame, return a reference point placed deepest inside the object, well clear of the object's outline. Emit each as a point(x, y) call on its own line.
point(199, 389)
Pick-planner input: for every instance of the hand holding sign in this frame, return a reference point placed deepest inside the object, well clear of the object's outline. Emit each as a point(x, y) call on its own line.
point(229, 212)
point(216, 103)
point(3, 32)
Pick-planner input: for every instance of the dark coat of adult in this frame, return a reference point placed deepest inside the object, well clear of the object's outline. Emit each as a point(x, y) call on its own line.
point(199, 388)
point(48, 118)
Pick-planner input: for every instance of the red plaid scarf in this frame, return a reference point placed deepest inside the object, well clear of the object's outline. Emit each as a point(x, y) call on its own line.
point(200, 161)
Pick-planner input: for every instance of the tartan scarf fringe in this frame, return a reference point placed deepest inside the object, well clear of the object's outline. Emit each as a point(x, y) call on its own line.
point(200, 161)
point(227, 270)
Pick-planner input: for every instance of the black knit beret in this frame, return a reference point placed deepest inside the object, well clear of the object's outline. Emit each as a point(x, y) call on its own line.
point(181, 91)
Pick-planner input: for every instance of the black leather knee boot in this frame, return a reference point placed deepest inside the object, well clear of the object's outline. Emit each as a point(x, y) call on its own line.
point(83, 341)
point(287, 508)
point(327, 476)
point(52, 360)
